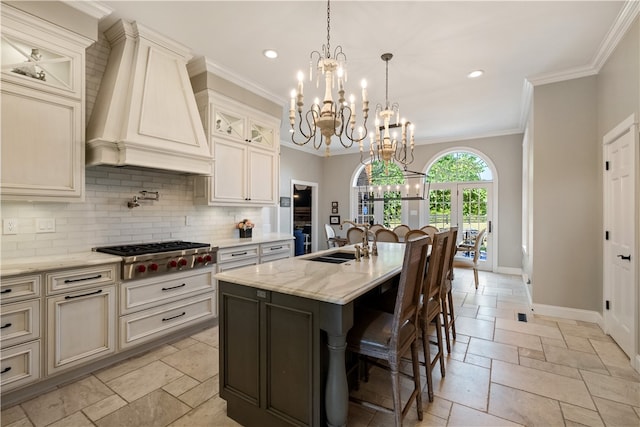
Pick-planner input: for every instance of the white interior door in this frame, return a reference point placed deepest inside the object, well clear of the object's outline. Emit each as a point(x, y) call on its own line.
point(620, 152)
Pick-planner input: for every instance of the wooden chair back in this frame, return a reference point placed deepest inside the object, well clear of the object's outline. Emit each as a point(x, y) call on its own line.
point(385, 235)
point(355, 235)
point(416, 234)
point(430, 230)
point(410, 287)
point(401, 230)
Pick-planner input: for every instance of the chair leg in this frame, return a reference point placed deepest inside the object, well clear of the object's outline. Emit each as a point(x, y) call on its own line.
point(440, 349)
point(475, 276)
point(445, 320)
point(416, 377)
point(395, 385)
point(452, 321)
point(427, 360)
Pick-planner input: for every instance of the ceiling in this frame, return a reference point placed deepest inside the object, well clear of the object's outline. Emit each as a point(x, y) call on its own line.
point(435, 45)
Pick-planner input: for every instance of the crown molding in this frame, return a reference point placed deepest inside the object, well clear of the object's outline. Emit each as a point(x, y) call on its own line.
point(202, 64)
point(623, 21)
point(95, 9)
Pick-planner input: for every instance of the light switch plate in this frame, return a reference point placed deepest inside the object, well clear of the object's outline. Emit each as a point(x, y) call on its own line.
point(45, 225)
point(10, 226)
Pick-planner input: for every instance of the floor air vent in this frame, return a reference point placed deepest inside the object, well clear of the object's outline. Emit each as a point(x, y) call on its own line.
point(522, 317)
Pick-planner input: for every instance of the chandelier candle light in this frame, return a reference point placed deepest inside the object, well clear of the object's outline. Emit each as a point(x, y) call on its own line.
point(384, 146)
point(331, 118)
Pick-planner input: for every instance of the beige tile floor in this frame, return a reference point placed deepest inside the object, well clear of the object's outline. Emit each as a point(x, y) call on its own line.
point(545, 372)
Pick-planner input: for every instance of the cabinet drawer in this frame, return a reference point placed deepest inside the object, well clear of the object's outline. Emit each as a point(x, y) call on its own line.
point(19, 288)
point(150, 324)
point(19, 323)
point(140, 294)
point(71, 280)
point(238, 253)
point(19, 365)
point(269, 250)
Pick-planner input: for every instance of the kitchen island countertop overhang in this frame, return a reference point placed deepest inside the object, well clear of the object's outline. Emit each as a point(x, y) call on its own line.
point(325, 282)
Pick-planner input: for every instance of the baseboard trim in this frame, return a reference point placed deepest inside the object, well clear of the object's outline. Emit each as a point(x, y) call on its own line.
point(509, 270)
point(569, 313)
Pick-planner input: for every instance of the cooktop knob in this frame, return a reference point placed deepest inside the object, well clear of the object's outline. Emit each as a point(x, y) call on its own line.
point(208, 258)
point(141, 269)
point(153, 267)
point(200, 260)
point(172, 264)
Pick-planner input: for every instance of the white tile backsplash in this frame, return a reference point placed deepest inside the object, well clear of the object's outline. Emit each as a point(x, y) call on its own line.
point(104, 218)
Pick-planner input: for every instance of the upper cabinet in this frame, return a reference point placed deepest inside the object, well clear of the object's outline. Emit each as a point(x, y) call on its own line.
point(245, 149)
point(43, 69)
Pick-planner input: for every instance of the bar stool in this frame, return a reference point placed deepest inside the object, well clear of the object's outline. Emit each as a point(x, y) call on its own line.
point(431, 309)
point(446, 296)
point(378, 336)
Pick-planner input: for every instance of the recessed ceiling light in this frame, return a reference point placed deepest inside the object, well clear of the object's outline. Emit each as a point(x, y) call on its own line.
point(270, 53)
point(475, 74)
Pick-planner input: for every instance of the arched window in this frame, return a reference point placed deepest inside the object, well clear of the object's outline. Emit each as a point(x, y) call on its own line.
point(377, 190)
point(459, 194)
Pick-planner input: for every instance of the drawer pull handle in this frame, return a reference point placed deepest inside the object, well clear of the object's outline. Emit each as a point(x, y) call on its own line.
point(5, 326)
point(83, 279)
point(174, 287)
point(83, 295)
point(7, 369)
point(276, 248)
point(174, 317)
point(5, 291)
point(239, 253)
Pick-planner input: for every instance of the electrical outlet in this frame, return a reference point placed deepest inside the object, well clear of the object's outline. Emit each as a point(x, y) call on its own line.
point(10, 226)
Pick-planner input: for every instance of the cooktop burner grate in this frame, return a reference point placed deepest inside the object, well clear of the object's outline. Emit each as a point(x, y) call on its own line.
point(150, 248)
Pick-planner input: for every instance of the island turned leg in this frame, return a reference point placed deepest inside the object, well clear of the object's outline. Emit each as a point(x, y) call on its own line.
point(336, 320)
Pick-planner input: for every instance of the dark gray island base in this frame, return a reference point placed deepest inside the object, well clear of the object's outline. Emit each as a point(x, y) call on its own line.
point(283, 328)
point(275, 352)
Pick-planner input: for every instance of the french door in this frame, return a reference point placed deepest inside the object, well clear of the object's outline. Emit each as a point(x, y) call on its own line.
point(467, 206)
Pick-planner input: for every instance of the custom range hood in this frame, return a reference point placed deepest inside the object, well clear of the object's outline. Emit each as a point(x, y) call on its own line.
point(145, 114)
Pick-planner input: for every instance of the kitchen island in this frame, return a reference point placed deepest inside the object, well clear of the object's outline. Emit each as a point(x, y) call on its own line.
point(283, 328)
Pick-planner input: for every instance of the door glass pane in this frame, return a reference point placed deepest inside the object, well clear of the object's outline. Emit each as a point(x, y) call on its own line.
point(229, 124)
point(474, 218)
point(36, 62)
point(261, 135)
point(440, 208)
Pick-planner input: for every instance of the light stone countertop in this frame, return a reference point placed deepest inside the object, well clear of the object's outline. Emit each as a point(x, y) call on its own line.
point(13, 267)
point(334, 283)
point(262, 238)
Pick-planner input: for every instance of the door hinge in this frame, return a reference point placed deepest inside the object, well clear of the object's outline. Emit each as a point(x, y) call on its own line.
point(606, 235)
point(606, 304)
point(606, 165)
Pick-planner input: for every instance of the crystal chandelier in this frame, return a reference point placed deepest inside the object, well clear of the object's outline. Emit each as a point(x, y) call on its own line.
point(330, 118)
point(384, 146)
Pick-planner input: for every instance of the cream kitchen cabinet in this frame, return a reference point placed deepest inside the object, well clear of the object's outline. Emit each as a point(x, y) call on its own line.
point(81, 316)
point(20, 337)
point(43, 88)
point(245, 150)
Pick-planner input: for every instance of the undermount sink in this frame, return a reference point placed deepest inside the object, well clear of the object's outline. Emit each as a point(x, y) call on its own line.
point(335, 257)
